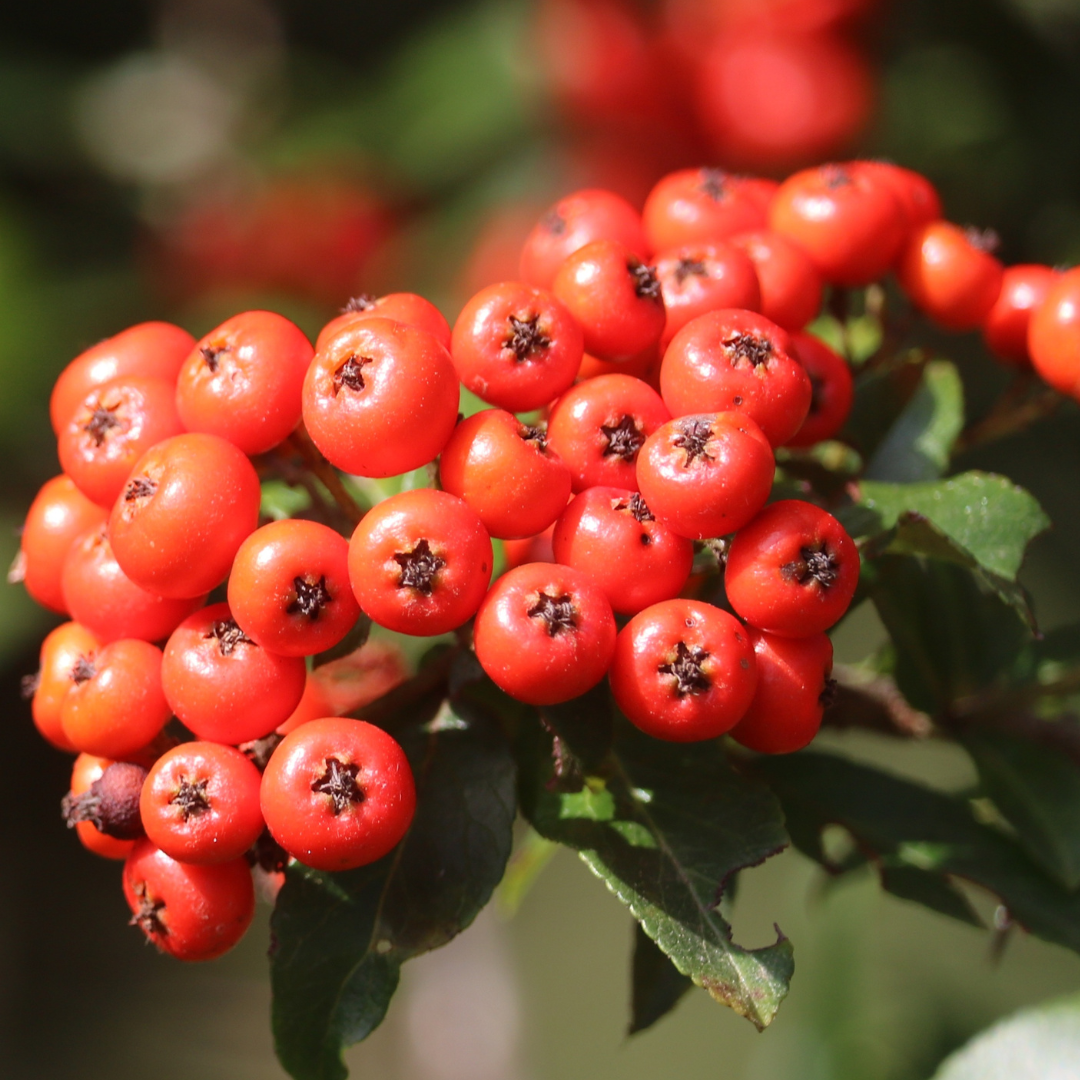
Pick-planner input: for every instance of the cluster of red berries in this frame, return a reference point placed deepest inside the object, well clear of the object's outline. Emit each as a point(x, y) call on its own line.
point(660, 358)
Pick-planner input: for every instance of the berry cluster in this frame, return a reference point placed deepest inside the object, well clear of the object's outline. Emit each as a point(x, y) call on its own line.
point(640, 377)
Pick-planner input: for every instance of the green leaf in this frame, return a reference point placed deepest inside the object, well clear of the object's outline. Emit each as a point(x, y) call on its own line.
point(1042, 1043)
point(1037, 788)
point(902, 824)
point(930, 889)
point(919, 443)
point(657, 986)
point(665, 826)
point(281, 500)
point(340, 939)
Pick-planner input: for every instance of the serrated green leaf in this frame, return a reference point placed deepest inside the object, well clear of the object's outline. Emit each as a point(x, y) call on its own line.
point(340, 939)
point(678, 822)
point(657, 986)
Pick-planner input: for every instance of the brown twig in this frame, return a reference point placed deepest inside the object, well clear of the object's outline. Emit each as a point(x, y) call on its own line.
point(1024, 402)
point(315, 463)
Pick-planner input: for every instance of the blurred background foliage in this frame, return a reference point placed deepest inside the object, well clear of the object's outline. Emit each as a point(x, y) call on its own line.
point(189, 158)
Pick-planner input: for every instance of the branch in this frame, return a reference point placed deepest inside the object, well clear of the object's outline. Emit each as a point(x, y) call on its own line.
point(1024, 402)
point(315, 463)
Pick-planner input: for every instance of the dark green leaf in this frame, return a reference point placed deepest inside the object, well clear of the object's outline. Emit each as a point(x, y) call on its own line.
point(880, 397)
point(352, 641)
point(340, 939)
point(930, 889)
point(657, 986)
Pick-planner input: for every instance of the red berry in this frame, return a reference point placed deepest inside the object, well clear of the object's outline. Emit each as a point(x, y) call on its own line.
point(1005, 329)
point(507, 472)
point(793, 688)
point(848, 222)
point(405, 307)
point(243, 381)
point(700, 206)
point(1054, 334)
point(112, 428)
point(706, 475)
point(105, 600)
point(420, 562)
point(538, 548)
point(614, 296)
point(638, 366)
point(833, 390)
point(793, 570)
point(200, 803)
point(59, 514)
point(338, 793)
point(153, 350)
point(516, 346)
point(683, 671)
point(950, 275)
point(740, 362)
point(790, 283)
point(599, 427)
point(611, 535)
point(289, 588)
point(917, 196)
point(573, 222)
point(88, 768)
point(696, 279)
point(380, 398)
point(545, 633)
point(67, 650)
point(189, 912)
point(222, 685)
point(184, 512)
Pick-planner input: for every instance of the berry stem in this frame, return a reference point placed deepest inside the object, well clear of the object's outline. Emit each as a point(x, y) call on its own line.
point(318, 466)
point(1023, 402)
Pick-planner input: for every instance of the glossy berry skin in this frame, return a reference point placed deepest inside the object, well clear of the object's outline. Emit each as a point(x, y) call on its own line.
point(116, 705)
point(61, 651)
point(403, 307)
point(420, 562)
point(615, 298)
point(1005, 328)
point(611, 535)
point(740, 362)
point(200, 803)
point(545, 633)
point(683, 671)
point(188, 505)
point(105, 600)
point(700, 206)
point(152, 350)
point(833, 390)
point(793, 570)
point(696, 279)
point(706, 475)
point(289, 588)
point(190, 912)
point(243, 381)
point(574, 221)
point(949, 276)
point(223, 686)
point(338, 793)
point(516, 346)
point(507, 472)
point(380, 398)
point(1054, 334)
point(112, 428)
point(59, 514)
point(846, 220)
point(793, 687)
point(790, 284)
point(599, 427)
point(917, 196)
point(87, 769)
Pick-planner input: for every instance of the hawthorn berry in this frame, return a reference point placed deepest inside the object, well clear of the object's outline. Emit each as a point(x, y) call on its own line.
point(1005, 328)
point(83, 814)
point(57, 517)
point(338, 793)
point(739, 362)
point(599, 427)
point(67, 652)
point(404, 307)
point(380, 398)
point(516, 346)
point(187, 506)
point(793, 690)
point(832, 390)
point(1054, 334)
point(700, 206)
point(545, 633)
point(420, 562)
point(190, 912)
point(788, 280)
point(610, 534)
point(222, 685)
point(916, 195)
point(639, 366)
point(289, 588)
point(200, 803)
point(706, 475)
point(243, 381)
point(507, 472)
point(538, 548)
point(792, 570)
point(614, 296)
point(683, 671)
